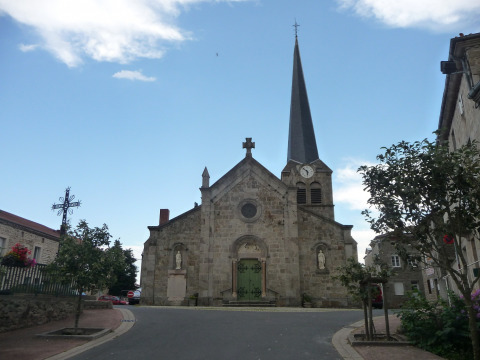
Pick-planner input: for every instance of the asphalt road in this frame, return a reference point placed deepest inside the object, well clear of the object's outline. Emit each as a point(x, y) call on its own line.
point(166, 333)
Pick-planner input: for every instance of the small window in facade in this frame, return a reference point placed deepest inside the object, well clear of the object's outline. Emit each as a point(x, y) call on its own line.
point(474, 249)
point(3, 244)
point(399, 290)
point(412, 262)
point(315, 193)
point(429, 285)
point(395, 261)
point(414, 286)
point(36, 253)
point(301, 193)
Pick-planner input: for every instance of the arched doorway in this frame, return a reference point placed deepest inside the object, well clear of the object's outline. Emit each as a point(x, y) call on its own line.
point(249, 280)
point(249, 255)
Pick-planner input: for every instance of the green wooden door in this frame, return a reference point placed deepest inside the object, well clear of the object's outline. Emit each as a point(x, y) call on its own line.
point(249, 280)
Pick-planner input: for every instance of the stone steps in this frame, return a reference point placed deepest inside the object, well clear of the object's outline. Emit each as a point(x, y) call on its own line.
point(250, 304)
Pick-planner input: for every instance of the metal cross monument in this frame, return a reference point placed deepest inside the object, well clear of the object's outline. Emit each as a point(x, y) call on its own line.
point(65, 207)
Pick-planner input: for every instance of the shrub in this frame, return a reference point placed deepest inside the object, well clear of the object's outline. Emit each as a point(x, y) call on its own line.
point(437, 326)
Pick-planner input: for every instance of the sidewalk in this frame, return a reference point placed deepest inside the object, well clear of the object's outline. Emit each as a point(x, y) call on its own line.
point(22, 344)
point(377, 352)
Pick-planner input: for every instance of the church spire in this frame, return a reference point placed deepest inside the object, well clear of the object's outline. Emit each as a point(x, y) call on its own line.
point(302, 146)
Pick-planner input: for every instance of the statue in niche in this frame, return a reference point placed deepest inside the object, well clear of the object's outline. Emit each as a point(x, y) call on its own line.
point(178, 260)
point(321, 260)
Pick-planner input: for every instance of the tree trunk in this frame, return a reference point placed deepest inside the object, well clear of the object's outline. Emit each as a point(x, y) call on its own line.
point(370, 314)
point(385, 311)
point(472, 325)
point(79, 308)
point(365, 314)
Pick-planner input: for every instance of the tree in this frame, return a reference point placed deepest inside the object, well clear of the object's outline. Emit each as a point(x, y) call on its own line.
point(423, 190)
point(125, 275)
point(85, 261)
point(361, 282)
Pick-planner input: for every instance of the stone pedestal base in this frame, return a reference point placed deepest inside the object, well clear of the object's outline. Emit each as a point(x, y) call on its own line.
point(176, 286)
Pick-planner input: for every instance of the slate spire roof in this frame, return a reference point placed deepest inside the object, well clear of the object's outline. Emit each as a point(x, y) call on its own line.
point(302, 146)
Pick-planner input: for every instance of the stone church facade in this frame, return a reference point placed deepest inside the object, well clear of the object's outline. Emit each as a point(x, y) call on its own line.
point(255, 238)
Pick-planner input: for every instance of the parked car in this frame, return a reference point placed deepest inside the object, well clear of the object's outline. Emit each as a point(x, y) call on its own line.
point(114, 299)
point(377, 297)
point(133, 296)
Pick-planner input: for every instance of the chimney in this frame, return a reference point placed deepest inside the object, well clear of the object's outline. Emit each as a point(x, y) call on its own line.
point(164, 216)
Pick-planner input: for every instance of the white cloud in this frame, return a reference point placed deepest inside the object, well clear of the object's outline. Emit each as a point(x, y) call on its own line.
point(132, 75)
point(27, 48)
point(438, 15)
point(363, 238)
point(349, 191)
point(104, 30)
point(349, 188)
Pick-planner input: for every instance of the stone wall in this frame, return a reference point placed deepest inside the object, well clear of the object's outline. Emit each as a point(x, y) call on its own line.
point(332, 238)
point(18, 234)
point(180, 234)
point(21, 311)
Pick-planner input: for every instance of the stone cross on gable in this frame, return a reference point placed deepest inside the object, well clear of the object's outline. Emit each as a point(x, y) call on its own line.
point(249, 145)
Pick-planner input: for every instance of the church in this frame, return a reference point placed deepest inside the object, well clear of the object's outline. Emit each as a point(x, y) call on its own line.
point(255, 239)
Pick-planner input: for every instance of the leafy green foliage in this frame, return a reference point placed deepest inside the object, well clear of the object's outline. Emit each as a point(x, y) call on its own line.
point(360, 281)
point(437, 326)
point(424, 193)
point(125, 273)
point(354, 273)
point(85, 261)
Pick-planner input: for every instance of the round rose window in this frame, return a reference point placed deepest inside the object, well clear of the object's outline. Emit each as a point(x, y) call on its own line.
point(249, 210)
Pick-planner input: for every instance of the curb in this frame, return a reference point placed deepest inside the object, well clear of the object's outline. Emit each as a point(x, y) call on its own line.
point(341, 344)
point(126, 324)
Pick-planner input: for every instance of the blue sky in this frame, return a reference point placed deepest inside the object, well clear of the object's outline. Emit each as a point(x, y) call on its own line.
point(126, 102)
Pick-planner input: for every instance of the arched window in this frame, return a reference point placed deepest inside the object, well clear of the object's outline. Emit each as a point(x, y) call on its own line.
point(315, 193)
point(301, 193)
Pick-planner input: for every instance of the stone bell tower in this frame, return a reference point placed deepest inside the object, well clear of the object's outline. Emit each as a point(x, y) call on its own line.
point(304, 170)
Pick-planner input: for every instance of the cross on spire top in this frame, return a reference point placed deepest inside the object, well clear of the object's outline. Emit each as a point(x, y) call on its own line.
point(296, 28)
point(249, 145)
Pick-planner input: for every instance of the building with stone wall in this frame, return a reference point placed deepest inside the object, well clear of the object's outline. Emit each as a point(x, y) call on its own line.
point(41, 240)
point(255, 238)
point(460, 123)
point(407, 275)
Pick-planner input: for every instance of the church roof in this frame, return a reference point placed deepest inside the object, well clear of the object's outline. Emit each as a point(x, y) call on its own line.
point(242, 169)
point(302, 146)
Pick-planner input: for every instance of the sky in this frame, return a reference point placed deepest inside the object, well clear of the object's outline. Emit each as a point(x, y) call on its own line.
point(127, 101)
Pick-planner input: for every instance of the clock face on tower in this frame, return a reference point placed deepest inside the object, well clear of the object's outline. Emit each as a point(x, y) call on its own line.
point(306, 171)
